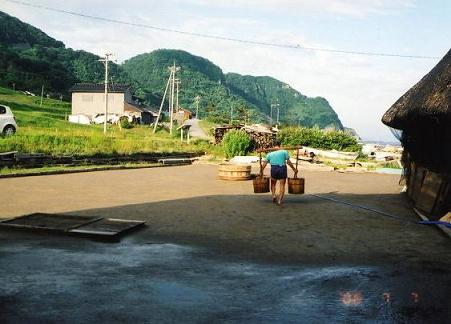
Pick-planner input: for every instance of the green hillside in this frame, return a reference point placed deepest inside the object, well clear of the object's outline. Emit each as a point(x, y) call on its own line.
point(43, 129)
point(16, 33)
point(294, 107)
point(220, 92)
point(198, 77)
point(29, 59)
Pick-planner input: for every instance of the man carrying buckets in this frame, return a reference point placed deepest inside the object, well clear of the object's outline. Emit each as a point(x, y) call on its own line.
point(278, 160)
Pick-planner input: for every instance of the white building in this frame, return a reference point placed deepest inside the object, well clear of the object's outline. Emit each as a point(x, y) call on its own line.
point(88, 99)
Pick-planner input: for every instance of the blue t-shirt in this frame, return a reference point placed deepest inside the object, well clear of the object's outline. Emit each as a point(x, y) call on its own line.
point(277, 157)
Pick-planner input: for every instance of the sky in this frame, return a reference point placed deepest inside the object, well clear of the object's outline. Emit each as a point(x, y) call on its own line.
point(360, 88)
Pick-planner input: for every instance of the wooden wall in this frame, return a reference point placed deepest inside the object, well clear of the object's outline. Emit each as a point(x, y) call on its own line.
point(430, 191)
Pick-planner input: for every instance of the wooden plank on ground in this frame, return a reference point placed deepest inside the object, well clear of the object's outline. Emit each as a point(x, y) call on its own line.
point(446, 218)
point(48, 221)
point(76, 225)
point(445, 229)
point(8, 154)
point(175, 161)
point(108, 227)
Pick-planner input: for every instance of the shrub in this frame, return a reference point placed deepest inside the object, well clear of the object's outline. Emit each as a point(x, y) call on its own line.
point(314, 137)
point(125, 123)
point(236, 142)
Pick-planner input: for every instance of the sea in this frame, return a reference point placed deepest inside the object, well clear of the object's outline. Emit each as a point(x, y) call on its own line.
point(385, 143)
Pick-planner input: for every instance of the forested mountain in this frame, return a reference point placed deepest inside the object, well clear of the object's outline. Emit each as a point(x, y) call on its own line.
point(29, 59)
point(221, 92)
point(16, 33)
point(294, 108)
point(198, 76)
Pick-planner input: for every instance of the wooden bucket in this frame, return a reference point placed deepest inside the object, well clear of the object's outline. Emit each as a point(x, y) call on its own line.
point(296, 186)
point(261, 184)
point(234, 171)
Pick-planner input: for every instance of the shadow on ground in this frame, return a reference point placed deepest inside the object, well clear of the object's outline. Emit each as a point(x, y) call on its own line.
point(235, 258)
point(307, 229)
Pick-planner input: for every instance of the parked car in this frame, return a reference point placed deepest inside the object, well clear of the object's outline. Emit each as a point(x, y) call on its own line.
point(8, 124)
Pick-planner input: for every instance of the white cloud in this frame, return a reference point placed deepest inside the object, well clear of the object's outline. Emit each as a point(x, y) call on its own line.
point(359, 88)
point(353, 8)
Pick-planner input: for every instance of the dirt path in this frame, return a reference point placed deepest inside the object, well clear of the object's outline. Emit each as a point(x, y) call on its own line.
point(196, 131)
point(189, 205)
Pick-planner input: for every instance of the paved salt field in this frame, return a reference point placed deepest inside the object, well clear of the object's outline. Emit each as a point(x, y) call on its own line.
point(213, 251)
point(68, 280)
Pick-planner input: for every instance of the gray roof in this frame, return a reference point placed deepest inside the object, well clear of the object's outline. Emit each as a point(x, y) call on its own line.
point(141, 107)
point(100, 87)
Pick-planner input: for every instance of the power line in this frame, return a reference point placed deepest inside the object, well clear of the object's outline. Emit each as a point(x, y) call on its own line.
point(217, 37)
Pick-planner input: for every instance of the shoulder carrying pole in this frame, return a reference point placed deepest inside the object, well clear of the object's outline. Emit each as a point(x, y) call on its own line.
point(261, 168)
point(297, 159)
point(281, 148)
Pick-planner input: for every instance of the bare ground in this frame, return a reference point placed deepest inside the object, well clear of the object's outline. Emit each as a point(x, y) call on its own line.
point(189, 205)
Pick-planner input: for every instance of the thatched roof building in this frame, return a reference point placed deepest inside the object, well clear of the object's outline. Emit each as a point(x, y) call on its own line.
point(423, 114)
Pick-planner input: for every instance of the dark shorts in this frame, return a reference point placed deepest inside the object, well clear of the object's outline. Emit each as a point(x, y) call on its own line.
point(278, 172)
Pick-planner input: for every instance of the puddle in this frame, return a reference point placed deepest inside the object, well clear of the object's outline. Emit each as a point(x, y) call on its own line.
point(172, 283)
point(389, 171)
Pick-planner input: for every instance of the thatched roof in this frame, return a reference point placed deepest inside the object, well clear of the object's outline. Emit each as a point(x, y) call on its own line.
point(431, 97)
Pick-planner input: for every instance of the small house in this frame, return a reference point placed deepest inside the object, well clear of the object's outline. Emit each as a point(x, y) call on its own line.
point(181, 115)
point(88, 99)
point(422, 120)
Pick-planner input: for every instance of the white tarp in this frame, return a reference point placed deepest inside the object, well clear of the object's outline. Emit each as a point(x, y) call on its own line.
point(244, 159)
point(80, 119)
point(333, 154)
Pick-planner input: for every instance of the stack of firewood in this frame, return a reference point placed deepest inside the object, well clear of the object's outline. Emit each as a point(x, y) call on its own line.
point(261, 140)
point(261, 137)
point(221, 131)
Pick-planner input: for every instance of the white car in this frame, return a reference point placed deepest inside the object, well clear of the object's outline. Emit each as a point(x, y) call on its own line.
point(8, 124)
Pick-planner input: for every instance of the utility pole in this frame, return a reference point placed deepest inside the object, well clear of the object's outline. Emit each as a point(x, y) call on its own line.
point(105, 61)
point(42, 95)
point(197, 99)
point(177, 83)
point(278, 106)
point(173, 70)
point(171, 101)
point(162, 102)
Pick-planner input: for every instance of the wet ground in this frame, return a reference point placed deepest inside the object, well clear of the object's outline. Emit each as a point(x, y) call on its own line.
point(213, 252)
point(73, 280)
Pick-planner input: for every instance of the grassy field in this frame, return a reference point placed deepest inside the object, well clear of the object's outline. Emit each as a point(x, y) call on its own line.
point(45, 130)
point(207, 126)
point(61, 168)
